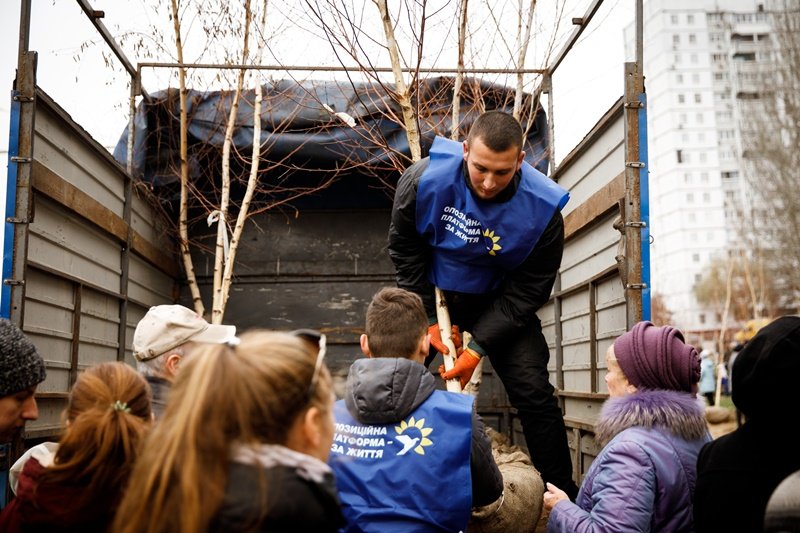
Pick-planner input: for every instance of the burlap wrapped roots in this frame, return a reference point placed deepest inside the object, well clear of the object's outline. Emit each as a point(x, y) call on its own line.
point(717, 415)
point(518, 510)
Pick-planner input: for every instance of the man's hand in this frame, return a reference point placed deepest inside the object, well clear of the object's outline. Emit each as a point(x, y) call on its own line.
point(436, 338)
point(465, 365)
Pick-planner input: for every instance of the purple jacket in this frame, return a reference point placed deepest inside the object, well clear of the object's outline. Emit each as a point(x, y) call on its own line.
point(644, 478)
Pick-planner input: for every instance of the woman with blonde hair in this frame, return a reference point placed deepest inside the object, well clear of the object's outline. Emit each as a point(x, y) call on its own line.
point(76, 484)
point(242, 445)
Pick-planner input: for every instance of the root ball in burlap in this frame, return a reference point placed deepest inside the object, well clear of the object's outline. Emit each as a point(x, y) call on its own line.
point(717, 415)
point(518, 510)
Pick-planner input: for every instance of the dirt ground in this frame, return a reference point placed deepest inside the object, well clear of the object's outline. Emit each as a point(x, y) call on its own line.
point(717, 430)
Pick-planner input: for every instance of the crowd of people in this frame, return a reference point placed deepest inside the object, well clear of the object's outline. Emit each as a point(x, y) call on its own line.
point(219, 431)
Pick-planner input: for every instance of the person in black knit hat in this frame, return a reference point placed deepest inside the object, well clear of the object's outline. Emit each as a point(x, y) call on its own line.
point(21, 371)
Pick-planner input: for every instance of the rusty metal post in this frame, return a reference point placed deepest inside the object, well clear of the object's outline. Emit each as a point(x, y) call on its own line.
point(633, 223)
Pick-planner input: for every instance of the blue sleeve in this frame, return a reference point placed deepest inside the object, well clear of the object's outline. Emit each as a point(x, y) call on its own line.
point(621, 498)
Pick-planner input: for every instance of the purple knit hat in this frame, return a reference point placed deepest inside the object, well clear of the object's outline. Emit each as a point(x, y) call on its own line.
point(657, 358)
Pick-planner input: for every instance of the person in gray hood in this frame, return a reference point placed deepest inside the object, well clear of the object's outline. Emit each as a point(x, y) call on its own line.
point(407, 456)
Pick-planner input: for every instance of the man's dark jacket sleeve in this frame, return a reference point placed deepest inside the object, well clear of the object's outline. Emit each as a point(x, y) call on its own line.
point(407, 249)
point(487, 481)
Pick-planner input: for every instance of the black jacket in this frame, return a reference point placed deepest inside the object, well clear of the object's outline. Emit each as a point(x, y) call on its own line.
point(493, 318)
point(737, 473)
point(276, 500)
point(386, 390)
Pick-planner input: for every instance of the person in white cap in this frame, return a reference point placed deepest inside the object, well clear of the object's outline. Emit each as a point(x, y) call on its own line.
point(166, 335)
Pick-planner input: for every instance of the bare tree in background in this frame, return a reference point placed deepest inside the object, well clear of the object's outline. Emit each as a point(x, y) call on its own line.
point(770, 140)
point(660, 314)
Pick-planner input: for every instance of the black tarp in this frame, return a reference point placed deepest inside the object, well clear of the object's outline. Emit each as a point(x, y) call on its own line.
point(304, 142)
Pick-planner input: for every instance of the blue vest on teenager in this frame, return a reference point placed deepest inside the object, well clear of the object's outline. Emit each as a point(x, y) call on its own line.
point(413, 475)
point(475, 242)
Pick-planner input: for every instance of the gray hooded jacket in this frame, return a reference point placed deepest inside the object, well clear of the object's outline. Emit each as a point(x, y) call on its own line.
point(386, 390)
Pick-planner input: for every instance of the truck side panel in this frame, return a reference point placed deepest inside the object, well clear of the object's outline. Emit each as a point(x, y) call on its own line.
point(96, 258)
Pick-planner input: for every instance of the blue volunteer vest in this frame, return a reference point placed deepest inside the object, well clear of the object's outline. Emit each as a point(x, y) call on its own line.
point(475, 242)
point(413, 475)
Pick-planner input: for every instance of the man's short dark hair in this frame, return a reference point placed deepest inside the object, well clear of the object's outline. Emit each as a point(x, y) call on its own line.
point(396, 321)
point(498, 130)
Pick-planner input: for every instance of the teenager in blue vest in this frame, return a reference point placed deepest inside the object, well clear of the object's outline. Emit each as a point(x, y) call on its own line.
point(483, 225)
point(407, 457)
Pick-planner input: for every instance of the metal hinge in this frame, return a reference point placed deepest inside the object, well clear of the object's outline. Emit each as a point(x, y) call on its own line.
point(634, 105)
point(14, 282)
point(22, 98)
point(15, 220)
point(636, 286)
point(19, 159)
point(639, 224)
point(634, 164)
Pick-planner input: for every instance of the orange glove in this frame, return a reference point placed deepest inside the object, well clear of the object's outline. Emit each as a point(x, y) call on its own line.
point(436, 338)
point(465, 365)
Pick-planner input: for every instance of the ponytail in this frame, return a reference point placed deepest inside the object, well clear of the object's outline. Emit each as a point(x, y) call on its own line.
point(106, 420)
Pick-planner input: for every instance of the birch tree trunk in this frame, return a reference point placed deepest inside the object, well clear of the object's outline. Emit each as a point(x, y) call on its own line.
point(183, 225)
point(459, 79)
point(252, 179)
point(220, 253)
point(403, 97)
point(524, 41)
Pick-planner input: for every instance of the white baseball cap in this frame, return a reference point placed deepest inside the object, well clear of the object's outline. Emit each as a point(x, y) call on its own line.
point(166, 326)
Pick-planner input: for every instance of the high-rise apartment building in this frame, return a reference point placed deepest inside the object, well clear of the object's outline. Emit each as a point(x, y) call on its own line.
point(701, 61)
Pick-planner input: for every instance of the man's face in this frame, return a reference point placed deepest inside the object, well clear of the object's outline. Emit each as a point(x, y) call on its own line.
point(490, 172)
point(15, 410)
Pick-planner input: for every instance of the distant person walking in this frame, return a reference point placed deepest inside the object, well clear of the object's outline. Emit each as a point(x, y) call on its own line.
point(708, 381)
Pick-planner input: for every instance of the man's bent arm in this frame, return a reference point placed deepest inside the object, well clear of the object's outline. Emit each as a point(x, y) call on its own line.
point(407, 249)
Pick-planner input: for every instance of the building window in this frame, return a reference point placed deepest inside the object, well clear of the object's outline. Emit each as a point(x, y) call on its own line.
point(696, 258)
point(692, 217)
point(698, 98)
point(690, 198)
point(690, 19)
point(682, 119)
point(730, 174)
point(679, 79)
point(687, 178)
point(701, 318)
point(695, 78)
point(673, 19)
point(693, 59)
point(679, 154)
point(699, 118)
point(676, 39)
point(704, 177)
point(706, 197)
point(692, 38)
point(703, 157)
point(701, 136)
point(681, 98)
point(697, 278)
point(677, 58)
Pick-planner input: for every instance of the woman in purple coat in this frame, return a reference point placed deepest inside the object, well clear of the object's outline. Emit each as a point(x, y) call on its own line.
point(652, 428)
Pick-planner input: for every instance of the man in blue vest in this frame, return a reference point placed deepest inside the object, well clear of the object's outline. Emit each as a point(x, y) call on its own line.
point(480, 223)
point(407, 457)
